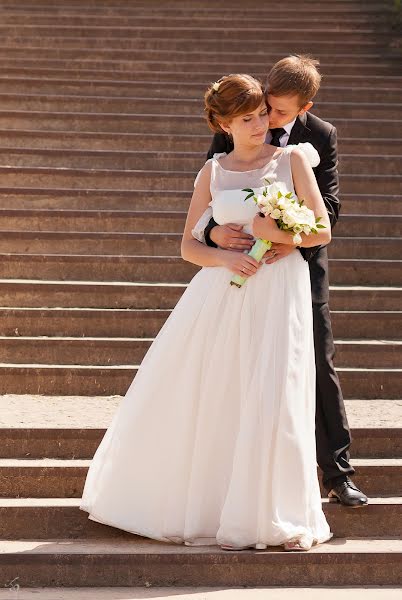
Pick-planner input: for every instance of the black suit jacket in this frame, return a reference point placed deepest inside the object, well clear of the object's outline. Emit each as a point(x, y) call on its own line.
point(322, 135)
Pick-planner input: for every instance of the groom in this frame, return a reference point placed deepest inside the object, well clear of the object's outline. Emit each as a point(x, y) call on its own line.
point(292, 84)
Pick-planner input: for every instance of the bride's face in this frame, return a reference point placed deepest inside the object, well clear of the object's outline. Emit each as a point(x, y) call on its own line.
point(251, 128)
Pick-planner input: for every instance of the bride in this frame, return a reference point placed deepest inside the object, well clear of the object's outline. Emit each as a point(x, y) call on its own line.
point(214, 442)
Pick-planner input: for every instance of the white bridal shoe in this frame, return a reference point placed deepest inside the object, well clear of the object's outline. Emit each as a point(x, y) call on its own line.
point(297, 543)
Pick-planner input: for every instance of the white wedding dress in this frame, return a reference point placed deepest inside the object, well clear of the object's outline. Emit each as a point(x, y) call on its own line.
point(214, 442)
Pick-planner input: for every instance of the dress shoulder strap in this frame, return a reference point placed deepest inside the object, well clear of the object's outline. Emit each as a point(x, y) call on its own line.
point(212, 160)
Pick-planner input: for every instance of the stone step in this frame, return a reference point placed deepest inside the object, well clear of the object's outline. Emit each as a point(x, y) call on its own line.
point(191, 9)
point(211, 69)
point(64, 350)
point(287, 29)
point(170, 124)
point(151, 146)
point(355, 80)
point(93, 294)
point(371, 592)
point(120, 179)
point(47, 518)
point(268, 57)
point(146, 105)
point(63, 242)
point(170, 268)
point(370, 204)
point(56, 478)
point(146, 322)
point(257, 46)
point(87, 380)
point(133, 221)
point(180, 6)
point(82, 443)
point(73, 426)
point(349, 21)
point(142, 268)
point(142, 562)
point(386, 164)
point(112, 200)
point(182, 10)
point(367, 248)
point(171, 89)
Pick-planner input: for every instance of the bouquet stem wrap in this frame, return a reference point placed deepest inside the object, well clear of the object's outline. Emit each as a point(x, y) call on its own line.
point(257, 252)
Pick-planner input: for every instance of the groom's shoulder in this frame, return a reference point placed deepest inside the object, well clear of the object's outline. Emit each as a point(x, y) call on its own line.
point(319, 126)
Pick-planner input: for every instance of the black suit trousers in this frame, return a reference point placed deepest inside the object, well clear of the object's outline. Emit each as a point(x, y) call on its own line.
point(333, 437)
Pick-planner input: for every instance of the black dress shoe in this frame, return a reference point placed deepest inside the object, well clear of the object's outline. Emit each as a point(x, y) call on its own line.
point(348, 494)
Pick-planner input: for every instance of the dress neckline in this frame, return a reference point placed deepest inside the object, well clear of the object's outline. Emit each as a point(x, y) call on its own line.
point(273, 157)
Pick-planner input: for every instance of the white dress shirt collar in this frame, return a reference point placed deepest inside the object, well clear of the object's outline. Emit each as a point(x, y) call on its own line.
point(288, 128)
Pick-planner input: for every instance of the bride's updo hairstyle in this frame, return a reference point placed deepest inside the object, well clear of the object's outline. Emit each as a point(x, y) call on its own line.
point(229, 97)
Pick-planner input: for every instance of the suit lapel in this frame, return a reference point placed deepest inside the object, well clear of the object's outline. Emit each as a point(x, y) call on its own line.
point(299, 130)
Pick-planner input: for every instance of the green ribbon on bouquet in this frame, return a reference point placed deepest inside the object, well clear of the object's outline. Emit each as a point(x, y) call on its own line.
point(257, 252)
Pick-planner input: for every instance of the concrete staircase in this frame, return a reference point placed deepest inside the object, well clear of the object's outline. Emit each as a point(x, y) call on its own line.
point(101, 134)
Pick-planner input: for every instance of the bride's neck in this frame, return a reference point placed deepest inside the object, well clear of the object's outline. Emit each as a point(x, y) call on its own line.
point(247, 154)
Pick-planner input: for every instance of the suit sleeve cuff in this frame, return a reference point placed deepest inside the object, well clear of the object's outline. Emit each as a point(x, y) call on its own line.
point(207, 232)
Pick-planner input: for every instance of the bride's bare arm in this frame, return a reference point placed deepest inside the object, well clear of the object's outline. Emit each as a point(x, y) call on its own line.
point(198, 253)
point(306, 188)
point(192, 250)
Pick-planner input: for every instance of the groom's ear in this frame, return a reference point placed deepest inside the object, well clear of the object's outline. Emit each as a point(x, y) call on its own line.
point(306, 108)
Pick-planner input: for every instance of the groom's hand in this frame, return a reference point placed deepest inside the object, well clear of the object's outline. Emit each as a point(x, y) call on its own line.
point(231, 237)
point(277, 252)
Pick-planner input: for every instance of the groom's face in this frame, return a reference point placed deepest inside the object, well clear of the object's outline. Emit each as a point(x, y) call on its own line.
point(284, 109)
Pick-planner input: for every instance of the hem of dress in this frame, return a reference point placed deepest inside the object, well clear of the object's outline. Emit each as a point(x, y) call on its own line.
point(200, 541)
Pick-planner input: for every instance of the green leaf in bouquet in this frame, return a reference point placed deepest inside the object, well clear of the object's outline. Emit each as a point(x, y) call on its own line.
point(267, 180)
point(249, 196)
point(289, 195)
point(280, 194)
point(319, 226)
point(313, 230)
point(318, 219)
point(248, 190)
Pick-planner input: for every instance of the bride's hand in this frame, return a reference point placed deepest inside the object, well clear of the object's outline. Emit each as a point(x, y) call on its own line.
point(265, 228)
point(241, 264)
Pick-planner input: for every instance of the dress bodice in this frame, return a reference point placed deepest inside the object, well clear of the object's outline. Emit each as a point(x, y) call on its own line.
point(228, 200)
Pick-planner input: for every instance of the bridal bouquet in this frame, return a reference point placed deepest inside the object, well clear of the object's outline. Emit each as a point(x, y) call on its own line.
point(289, 213)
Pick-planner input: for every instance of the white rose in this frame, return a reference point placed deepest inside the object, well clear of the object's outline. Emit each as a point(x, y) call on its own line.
point(274, 188)
point(289, 221)
point(276, 213)
point(284, 203)
point(290, 216)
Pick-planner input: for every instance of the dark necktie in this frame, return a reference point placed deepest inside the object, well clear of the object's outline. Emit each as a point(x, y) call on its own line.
point(276, 134)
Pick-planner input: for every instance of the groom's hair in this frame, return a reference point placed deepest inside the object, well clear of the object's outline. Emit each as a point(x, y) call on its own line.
point(295, 75)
